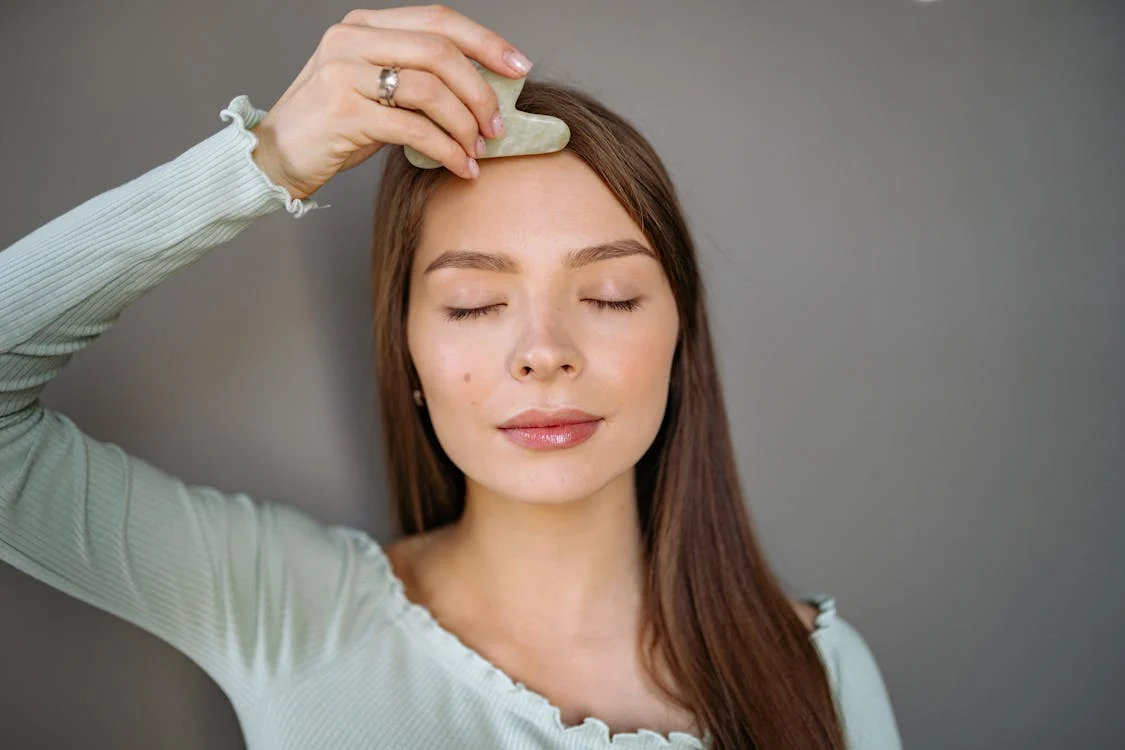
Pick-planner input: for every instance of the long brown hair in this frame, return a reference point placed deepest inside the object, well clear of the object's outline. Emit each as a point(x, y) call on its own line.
point(737, 655)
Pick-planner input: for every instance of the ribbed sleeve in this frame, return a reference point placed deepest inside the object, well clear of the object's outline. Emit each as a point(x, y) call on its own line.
point(251, 592)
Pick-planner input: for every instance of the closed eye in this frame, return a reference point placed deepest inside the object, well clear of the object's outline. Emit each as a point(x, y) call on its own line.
point(625, 305)
point(468, 313)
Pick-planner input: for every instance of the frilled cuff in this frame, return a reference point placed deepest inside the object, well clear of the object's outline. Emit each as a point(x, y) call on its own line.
point(243, 115)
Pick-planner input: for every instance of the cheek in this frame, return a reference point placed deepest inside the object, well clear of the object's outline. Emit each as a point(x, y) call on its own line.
point(640, 371)
point(450, 371)
point(451, 367)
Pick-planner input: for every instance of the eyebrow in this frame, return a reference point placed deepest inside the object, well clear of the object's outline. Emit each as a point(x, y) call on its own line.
point(502, 263)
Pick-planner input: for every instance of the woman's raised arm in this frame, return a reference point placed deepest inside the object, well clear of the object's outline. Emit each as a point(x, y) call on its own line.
point(247, 590)
point(185, 563)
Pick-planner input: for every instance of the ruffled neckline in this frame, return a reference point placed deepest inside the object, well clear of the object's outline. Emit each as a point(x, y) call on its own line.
point(468, 663)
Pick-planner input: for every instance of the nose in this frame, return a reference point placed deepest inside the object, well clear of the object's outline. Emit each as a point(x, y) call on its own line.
point(545, 350)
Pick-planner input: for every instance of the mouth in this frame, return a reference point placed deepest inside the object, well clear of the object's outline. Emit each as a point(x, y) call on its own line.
point(550, 430)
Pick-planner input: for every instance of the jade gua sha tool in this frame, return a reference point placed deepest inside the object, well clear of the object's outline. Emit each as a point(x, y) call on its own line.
point(524, 133)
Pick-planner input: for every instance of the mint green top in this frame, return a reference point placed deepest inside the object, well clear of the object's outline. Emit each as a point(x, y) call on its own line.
point(304, 626)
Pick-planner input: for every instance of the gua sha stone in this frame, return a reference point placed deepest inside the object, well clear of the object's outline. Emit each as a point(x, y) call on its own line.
point(524, 133)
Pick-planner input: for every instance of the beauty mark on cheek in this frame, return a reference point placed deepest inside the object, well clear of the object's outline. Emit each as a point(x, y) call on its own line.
point(468, 377)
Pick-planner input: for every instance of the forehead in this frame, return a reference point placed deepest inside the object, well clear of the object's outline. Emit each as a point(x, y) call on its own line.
point(521, 205)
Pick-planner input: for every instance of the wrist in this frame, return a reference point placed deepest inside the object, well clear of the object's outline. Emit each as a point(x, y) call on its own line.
point(265, 156)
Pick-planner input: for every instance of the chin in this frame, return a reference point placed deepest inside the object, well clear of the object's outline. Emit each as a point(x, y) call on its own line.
point(546, 488)
point(546, 478)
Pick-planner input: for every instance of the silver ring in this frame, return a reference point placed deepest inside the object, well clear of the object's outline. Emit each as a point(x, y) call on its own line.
point(388, 82)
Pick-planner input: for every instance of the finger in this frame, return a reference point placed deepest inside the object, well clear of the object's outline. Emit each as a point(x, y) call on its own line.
point(422, 51)
point(393, 125)
point(478, 42)
point(427, 93)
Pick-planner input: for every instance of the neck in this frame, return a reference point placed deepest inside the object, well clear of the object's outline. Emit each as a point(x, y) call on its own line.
point(570, 570)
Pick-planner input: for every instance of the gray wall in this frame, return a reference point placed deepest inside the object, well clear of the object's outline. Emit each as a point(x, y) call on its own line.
point(910, 218)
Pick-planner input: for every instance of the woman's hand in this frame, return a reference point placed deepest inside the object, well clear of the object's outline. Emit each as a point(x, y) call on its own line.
point(329, 119)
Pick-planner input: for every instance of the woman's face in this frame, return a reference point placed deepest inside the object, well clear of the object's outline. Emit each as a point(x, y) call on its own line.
point(507, 314)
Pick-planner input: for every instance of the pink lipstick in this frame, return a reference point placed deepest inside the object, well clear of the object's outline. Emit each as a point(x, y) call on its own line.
point(549, 430)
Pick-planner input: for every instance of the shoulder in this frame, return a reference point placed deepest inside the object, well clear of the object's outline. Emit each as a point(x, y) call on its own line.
point(845, 652)
point(807, 613)
point(853, 674)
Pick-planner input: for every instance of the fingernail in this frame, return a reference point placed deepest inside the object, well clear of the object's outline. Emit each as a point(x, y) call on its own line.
point(474, 168)
point(497, 124)
point(482, 147)
point(517, 61)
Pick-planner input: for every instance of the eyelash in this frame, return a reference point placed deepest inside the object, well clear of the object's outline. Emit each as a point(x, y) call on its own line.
point(467, 313)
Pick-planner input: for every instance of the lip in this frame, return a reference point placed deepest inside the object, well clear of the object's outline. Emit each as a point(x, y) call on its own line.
point(541, 418)
point(550, 430)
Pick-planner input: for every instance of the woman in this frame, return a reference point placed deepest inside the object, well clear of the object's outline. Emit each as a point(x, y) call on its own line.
point(578, 569)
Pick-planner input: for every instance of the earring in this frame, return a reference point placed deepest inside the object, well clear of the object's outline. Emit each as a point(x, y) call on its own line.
point(418, 397)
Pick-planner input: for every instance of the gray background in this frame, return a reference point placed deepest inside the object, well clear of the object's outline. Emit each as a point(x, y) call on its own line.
point(910, 220)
